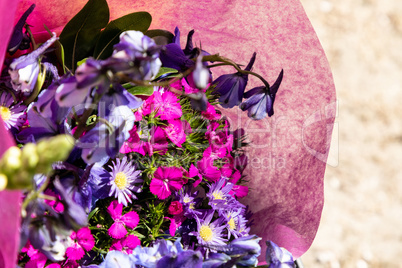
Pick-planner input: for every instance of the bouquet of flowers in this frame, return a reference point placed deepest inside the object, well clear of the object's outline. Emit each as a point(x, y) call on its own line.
point(123, 153)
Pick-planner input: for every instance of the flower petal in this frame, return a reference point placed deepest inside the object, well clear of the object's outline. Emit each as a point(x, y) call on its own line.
point(131, 219)
point(117, 230)
point(115, 209)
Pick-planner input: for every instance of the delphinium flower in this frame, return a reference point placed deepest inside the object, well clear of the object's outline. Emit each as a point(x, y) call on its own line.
point(13, 115)
point(165, 181)
point(278, 257)
point(118, 228)
point(231, 87)
point(81, 241)
point(260, 100)
point(138, 56)
point(24, 70)
point(210, 234)
point(126, 244)
point(115, 259)
point(124, 180)
point(247, 247)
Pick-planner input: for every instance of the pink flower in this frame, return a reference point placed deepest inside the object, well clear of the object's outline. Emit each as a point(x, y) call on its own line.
point(118, 228)
point(157, 142)
point(239, 191)
point(81, 240)
point(165, 104)
point(219, 138)
point(208, 170)
point(210, 113)
point(175, 208)
point(176, 131)
point(166, 180)
point(193, 172)
point(126, 244)
point(175, 223)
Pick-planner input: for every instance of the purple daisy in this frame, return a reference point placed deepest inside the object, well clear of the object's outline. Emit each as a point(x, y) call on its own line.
point(209, 234)
point(123, 178)
point(13, 116)
point(237, 223)
point(220, 198)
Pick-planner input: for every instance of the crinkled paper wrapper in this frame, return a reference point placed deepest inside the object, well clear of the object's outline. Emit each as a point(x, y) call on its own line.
point(289, 150)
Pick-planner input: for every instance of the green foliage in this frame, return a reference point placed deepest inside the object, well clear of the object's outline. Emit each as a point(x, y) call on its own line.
point(81, 33)
point(138, 21)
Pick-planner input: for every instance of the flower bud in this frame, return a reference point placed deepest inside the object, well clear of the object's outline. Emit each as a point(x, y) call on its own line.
point(11, 161)
point(201, 74)
point(3, 181)
point(24, 75)
point(54, 149)
point(29, 156)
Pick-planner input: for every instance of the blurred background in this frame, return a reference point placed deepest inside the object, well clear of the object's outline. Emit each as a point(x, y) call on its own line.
point(361, 223)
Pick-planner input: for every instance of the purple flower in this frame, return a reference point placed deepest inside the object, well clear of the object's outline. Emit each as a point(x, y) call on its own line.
point(201, 74)
point(136, 55)
point(19, 39)
point(237, 223)
point(260, 100)
point(219, 195)
point(209, 234)
point(24, 70)
point(13, 115)
point(123, 180)
point(231, 87)
point(278, 257)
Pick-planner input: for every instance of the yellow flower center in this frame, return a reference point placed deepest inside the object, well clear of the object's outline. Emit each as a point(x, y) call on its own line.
point(186, 199)
point(232, 224)
point(191, 206)
point(206, 233)
point(120, 180)
point(217, 195)
point(5, 113)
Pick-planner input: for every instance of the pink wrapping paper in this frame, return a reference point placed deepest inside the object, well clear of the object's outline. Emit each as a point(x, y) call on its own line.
point(289, 150)
point(9, 200)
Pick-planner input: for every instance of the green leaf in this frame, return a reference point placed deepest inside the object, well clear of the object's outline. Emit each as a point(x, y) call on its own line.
point(138, 21)
point(161, 37)
point(166, 70)
point(80, 35)
point(139, 90)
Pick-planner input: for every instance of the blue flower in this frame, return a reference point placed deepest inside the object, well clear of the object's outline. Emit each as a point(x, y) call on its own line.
point(278, 257)
point(231, 87)
point(260, 100)
point(116, 259)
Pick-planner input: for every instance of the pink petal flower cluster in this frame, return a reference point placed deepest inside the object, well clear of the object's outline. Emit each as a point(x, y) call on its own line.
point(166, 105)
point(82, 241)
point(118, 228)
point(156, 142)
point(166, 180)
point(126, 244)
point(37, 258)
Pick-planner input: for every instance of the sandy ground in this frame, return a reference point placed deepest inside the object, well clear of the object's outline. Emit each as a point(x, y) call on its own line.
point(361, 224)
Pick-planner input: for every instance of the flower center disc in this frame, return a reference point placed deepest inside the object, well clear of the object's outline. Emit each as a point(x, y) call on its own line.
point(5, 113)
point(232, 224)
point(120, 180)
point(206, 233)
point(217, 195)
